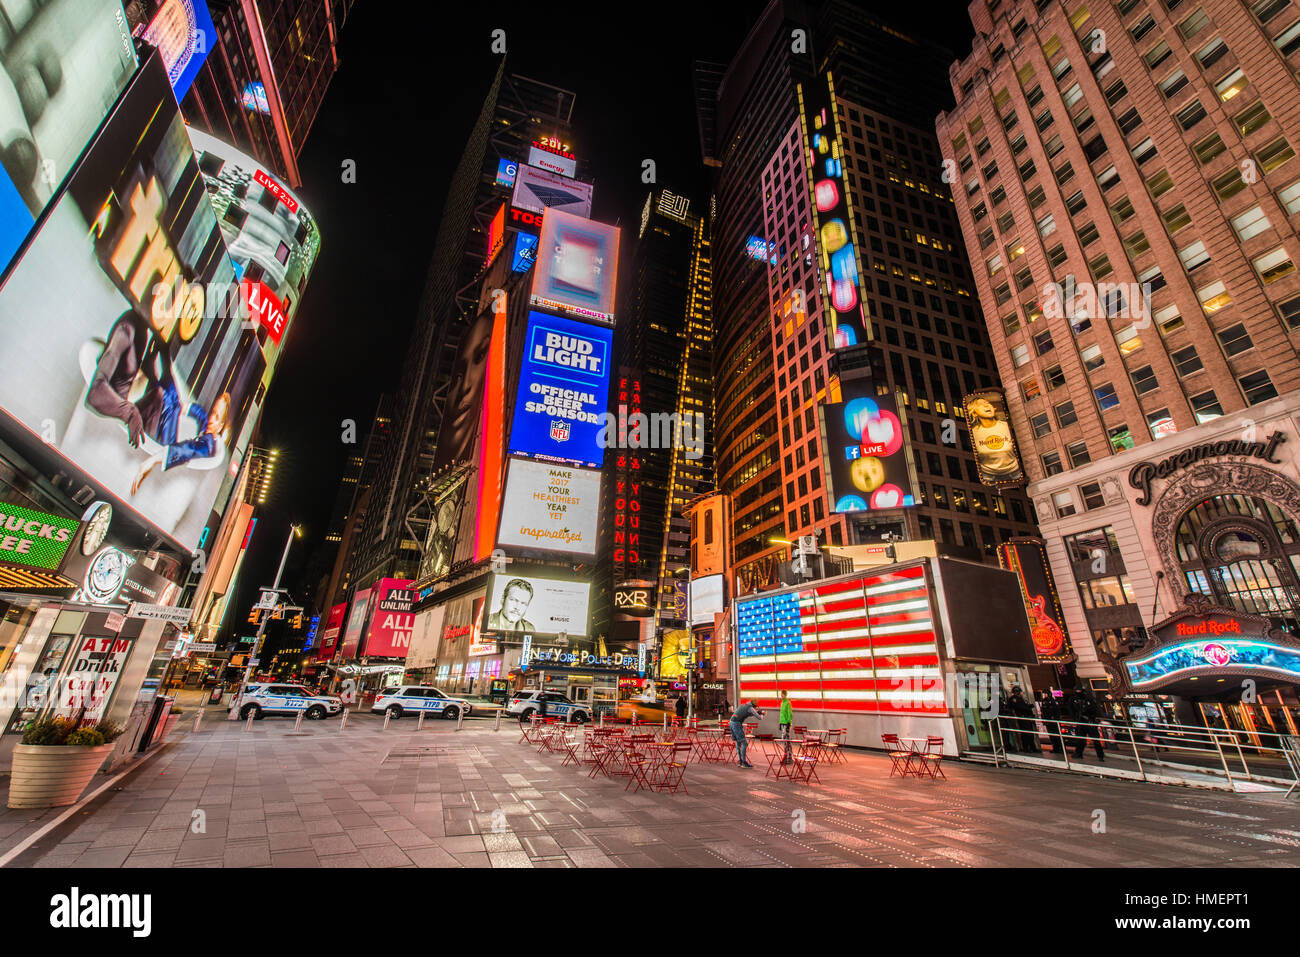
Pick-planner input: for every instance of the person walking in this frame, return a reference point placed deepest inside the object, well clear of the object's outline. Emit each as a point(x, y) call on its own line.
point(541, 705)
point(681, 706)
point(1051, 715)
point(787, 719)
point(748, 709)
point(1083, 708)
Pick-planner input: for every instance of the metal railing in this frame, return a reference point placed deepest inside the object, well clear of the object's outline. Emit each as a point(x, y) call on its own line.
point(1255, 756)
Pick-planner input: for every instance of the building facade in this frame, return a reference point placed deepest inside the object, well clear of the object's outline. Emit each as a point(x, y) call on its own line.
point(1126, 184)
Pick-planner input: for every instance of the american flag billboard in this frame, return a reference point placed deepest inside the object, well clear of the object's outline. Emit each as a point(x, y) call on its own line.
point(866, 646)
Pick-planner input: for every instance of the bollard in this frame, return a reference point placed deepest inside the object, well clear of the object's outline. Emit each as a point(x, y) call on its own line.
point(388, 715)
point(460, 719)
point(665, 722)
point(197, 718)
point(419, 724)
point(344, 723)
point(498, 726)
point(248, 725)
point(602, 719)
point(297, 723)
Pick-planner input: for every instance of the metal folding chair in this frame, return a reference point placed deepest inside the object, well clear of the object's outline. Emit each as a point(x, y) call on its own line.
point(900, 758)
point(932, 757)
point(805, 762)
point(670, 775)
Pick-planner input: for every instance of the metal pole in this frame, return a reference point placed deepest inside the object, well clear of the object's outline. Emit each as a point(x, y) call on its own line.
point(1237, 741)
point(1137, 757)
point(248, 725)
point(344, 723)
point(419, 725)
point(460, 719)
point(498, 724)
point(297, 724)
point(197, 718)
point(1214, 736)
point(388, 715)
point(261, 628)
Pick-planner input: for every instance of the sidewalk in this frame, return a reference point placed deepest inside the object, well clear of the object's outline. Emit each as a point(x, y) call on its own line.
point(364, 797)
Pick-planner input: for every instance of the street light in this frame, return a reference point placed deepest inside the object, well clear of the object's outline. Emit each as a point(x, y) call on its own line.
point(295, 531)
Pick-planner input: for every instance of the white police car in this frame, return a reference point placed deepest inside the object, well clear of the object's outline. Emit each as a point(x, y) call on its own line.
point(557, 705)
point(259, 700)
point(416, 698)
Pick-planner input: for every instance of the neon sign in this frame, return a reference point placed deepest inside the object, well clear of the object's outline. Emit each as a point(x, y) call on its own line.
point(1193, 658)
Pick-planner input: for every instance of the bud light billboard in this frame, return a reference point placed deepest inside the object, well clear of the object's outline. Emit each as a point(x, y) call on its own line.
point(563, 391)
point(866, 454)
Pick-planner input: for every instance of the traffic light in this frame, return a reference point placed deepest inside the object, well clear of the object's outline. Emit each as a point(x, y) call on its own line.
point(255, 616)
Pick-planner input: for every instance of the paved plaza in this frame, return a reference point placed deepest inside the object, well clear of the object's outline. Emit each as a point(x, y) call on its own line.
point(366, 797)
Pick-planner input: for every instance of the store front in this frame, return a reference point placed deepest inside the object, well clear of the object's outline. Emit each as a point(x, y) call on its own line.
point(586, 677)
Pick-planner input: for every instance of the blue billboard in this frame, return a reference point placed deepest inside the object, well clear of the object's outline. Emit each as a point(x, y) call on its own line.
point(525, 252)
point(563, 391)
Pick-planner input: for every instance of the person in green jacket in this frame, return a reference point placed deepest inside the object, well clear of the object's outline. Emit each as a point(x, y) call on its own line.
point(787, 719)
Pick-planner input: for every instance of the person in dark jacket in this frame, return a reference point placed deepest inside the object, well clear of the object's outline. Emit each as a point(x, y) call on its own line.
point(1050, 712)
point(681, 706)
point(1083, 708)
point(746, 711)
point(1024, 723)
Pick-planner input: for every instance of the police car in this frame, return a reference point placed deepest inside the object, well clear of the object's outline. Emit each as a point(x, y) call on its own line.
point(259, 700)
point(557, 705)
point(416, 698)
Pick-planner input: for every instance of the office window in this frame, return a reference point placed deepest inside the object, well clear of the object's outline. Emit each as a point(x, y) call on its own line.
point(1194, 24)
point(1122, 210)
point(1211, 53)
point(1231, 84)
point(1144, 151)
point(1092, 358)
point(1214, 296)
point(1157, 55)
point(1011, 323)
point(1160, 183)
point(1092, 497)
point(1289, 197)
point(1136, 244)
point(1150, 280)
point(1077, 201)
point(1235, 340)
point(1056, 255)
point(1128, 339)
point(1206, 407)
point(1288, 41)
point(1130, 121)
point(1106, 396)
point(1020, 355)
point(1161, 424)
point(1172, 83)
point(1273, 265)
point(1194, 255)
point(1047, 225)
point(1055, 378)
point(1228, 184)
point(1290, 312)
point(1257, 387)
point(1190, 115)
point(1274, 155)
point(1040, 425)
point(1065, 414)
point(1265, 10)
point(1176, 218)
point(1120, 438)
point(1186, 361)
point(1052, 463)
point(1030, 389)
point(1144, 380)
point(1100, 267)
point(1250, 223)
point(1088, 234)
point(1064, 503)
point(1043, 342)
point(1210, 147)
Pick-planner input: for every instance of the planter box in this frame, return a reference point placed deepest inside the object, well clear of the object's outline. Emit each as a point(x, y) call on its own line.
point(52, 776)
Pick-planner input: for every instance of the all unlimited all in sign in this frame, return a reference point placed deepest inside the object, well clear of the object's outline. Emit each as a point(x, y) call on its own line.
point(36, 539)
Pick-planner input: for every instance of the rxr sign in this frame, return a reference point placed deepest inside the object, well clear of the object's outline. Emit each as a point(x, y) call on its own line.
point(633, 601)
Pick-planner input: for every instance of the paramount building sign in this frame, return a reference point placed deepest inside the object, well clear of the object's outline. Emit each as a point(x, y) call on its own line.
point(1141, 475)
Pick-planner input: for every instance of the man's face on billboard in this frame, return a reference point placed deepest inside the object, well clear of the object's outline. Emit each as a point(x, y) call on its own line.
point(515, 603)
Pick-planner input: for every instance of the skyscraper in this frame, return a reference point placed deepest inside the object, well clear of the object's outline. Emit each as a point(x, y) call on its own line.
point(775, 360)
point(265, 75)
point(516, 111)
point(1127, 184)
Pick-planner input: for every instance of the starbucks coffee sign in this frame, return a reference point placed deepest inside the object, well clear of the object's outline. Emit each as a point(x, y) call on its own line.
point(1141, 475)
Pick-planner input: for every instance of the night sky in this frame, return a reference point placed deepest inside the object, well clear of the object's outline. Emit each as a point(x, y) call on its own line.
point(407, 92)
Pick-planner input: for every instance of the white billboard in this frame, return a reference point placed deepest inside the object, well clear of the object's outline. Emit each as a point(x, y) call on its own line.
point(536, 190)
point(550, 507)
point(706, 599)
point(520, 605)
point(553, 162)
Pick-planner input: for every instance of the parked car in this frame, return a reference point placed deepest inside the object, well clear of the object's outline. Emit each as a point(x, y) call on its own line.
point(525, 703)
point(416, 698)
point(260, 700)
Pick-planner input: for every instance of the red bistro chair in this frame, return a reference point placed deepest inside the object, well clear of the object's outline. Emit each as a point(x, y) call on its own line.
point(900, 758)
point(932, 757)
point(671, 774)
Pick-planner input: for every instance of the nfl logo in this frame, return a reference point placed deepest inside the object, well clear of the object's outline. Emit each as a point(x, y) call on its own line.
point(560, 431)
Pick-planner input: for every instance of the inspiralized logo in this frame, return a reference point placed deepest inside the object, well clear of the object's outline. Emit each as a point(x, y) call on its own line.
point(77, 910)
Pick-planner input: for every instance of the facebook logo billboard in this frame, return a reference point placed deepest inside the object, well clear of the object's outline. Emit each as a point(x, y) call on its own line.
point(563, 390)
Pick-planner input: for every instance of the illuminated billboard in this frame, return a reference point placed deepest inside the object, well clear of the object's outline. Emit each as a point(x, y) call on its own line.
point(990, 431)
point(254, 98)
point(521, 604)
point(507, 170)
point(706, 599)
point(391, 621)
point(183, 33)
point(351, 640)
point(443, 531)
point(550, 507)
point(119, 353)
point(566, 164)
point(864, 645)
point(563, 390)
point(866, 455)
point(272, 238)
point(539, 191)
point(577, 267)
point(330, 636)
point(833, 215)
point(525, 252)
point(1027, 557)
point(496, 236)
point(62, 66)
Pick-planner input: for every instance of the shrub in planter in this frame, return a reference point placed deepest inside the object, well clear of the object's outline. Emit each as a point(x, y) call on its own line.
point(55, 762)
point(109, 729)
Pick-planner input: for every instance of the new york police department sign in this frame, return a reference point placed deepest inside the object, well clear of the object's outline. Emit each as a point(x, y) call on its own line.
point(563, 390)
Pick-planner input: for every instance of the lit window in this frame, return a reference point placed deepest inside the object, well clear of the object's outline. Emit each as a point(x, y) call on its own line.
point(1128, 340)
point(1274, 155)
point(1214, 296)
point(1231, 85)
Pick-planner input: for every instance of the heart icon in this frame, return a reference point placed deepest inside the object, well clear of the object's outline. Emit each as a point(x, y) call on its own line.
point(887, 496)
